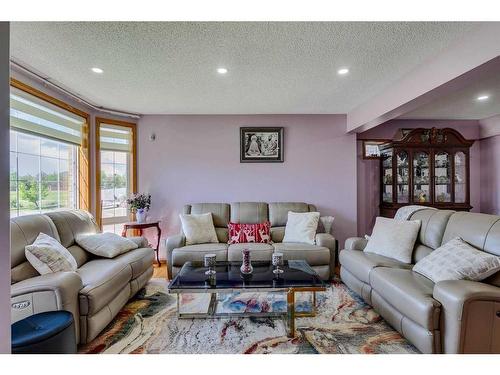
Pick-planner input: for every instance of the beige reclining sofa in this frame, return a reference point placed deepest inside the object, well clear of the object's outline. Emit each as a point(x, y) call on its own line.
point(94, 294)
point(446, 317)
point(321, 256)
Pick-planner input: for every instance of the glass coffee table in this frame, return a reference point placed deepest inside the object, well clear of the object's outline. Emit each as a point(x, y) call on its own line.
point(297, 276)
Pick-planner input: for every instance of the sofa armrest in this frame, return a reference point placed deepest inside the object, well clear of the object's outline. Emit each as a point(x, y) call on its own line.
point(469, 310)
point(328, 241)
point(173, 242)
point(355, 243)
point(50, 292)
point(140, 241)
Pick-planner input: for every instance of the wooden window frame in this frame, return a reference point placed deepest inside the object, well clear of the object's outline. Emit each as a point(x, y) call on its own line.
point(133, 128)
point(84, 168)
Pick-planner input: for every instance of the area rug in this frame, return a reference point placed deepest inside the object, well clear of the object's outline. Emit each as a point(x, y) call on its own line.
point(343, 324)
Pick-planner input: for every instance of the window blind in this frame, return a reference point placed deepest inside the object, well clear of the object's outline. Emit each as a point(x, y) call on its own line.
point(33, 115)
point(115, 138)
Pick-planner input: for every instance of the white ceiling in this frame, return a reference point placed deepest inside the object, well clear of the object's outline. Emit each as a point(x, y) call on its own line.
point(463, 104)
point(168, 67)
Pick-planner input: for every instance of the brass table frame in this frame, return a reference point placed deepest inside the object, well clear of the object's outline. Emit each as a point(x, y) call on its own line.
point(289, 315)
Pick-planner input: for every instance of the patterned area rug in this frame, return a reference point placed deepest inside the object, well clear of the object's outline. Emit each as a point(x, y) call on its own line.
point(343, 324)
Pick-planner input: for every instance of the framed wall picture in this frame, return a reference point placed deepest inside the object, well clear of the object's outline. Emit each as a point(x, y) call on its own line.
point(371, 148)
point(261, 145)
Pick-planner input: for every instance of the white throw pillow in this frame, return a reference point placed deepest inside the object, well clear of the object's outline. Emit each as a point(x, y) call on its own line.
point(198, 228)
point(393, 238)
point(106, 245)
point(47, 255)
point(301, 227)
point(457, 260)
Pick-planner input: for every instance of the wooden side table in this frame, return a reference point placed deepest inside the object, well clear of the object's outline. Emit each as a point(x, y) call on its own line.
point(140, 227)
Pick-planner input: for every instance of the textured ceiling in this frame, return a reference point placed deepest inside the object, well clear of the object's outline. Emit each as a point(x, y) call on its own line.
point(170, 67)
point(462, 104)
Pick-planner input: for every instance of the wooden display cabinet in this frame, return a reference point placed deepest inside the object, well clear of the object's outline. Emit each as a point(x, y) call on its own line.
point(429, 167)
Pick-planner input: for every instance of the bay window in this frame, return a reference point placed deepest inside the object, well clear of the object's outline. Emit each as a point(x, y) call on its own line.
point(48, 153)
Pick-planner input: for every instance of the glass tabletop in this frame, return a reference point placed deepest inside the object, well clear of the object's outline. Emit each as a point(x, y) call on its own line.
point(296, 274)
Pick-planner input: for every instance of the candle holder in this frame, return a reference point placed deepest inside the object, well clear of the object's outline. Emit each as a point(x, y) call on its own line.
point(209, 261)
point(277, 260)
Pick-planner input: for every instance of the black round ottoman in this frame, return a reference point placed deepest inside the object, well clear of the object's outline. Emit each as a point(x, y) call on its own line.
point(51, 332)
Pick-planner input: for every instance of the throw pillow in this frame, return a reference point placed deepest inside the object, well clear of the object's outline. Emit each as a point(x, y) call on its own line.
point(457, 260)
point(243, 233)
point(393, 238)
point(106, 245)
point(198, 228)
point(301, 227)
point(47, 255)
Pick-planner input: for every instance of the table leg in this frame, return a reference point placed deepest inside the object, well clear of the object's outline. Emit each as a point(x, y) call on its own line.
point(158, 231)
point(290, 297)
point(124, 231)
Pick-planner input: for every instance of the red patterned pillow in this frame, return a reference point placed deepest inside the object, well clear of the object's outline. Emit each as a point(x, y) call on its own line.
point(242, 233)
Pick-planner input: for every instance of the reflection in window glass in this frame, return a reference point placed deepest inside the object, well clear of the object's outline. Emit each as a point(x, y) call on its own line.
point(421, 177)
point(460, 177)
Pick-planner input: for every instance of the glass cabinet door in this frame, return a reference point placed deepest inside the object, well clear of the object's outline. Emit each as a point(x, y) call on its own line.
point(442, 177)
point(421, 177)
point(460, 177)
point(402, 167)
point(387, 177)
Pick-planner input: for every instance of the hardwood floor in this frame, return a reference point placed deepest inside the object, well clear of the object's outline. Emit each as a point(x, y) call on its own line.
point(160, 271)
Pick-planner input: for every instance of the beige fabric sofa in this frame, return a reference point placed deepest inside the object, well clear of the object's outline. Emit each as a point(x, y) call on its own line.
point(321, 256)
point(446, 317)
point(95, 293)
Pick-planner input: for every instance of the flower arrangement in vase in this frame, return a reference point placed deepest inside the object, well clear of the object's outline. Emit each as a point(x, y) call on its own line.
point(139, 204)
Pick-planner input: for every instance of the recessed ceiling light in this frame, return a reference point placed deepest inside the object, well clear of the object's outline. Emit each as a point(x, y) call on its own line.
point(221, 70)
point(343, 71)
point(97, 70)
point(483, 97)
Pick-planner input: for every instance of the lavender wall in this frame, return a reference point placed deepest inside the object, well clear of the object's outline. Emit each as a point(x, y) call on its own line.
point(4, 191)
point(490, 176)
point(196, 159)
point(368, 170)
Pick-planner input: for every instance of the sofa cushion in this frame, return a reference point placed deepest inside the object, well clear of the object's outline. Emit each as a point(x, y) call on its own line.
point(23, 231)
point(361, 264)
point(258, 251)
point(249, 212)
point(477, 229)
point(277, 234)
point(314, 255)
point(243, 233)
point(457, 260)
point(195, 253)
point(106, 245)
point(278, 211)
point(47, 255)
point(393, 238)
point(139, 260)
point(301, 227)
point(219, 211)
point(433, 226)
point(409, 293)
point(198, 228)
point(70, 223)
point(103, 280)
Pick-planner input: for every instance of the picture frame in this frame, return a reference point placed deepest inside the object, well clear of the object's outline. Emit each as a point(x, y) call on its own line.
point(371, 148)
point(261, 144)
